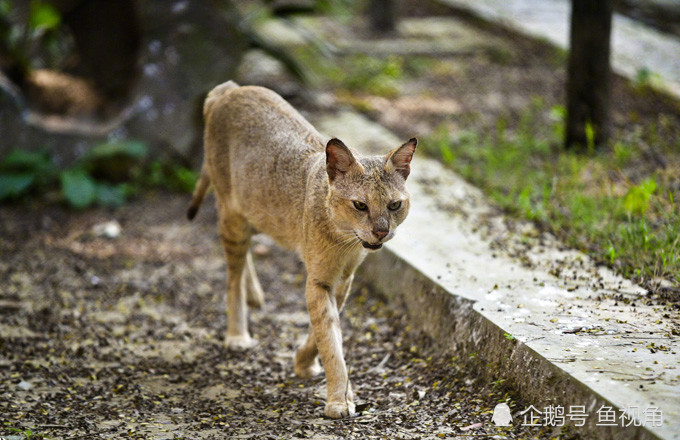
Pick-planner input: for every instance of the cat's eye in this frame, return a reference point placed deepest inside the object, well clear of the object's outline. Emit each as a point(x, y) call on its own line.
point(394, 205)
point(360, 205)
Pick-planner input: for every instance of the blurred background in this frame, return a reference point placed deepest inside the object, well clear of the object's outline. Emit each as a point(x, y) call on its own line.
point(564, 112)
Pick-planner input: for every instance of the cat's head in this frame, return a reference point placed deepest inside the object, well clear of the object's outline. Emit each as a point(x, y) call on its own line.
point(368, 197)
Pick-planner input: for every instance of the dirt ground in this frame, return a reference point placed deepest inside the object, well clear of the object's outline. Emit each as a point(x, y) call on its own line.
point(123, 337)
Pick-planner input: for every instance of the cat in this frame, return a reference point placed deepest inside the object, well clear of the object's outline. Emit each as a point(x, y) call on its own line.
point(272, 172)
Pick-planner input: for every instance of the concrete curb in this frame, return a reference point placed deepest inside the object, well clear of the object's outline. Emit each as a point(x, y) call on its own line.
point(557, 328)
point(480, 344)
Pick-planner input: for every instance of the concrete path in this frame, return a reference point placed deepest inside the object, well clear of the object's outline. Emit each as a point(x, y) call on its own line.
point(636, 47)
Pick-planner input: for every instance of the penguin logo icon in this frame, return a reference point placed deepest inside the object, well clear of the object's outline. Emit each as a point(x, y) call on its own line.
point(501, 415)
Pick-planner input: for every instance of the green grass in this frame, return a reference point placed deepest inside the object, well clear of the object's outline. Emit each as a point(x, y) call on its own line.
point(359, 74)
point(607, 202)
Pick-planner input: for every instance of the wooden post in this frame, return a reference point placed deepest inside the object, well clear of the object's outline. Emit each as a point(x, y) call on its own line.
point(588, 74)
point(383, 15)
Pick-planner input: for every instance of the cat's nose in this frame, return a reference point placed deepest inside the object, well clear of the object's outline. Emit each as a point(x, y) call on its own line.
point(380, 233)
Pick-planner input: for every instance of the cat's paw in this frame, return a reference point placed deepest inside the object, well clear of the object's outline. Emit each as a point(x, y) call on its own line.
point(336, 410)
point(308, 371)
point(240, 342)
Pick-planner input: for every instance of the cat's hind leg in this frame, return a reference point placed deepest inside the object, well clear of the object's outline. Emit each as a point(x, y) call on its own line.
point(254, 292)
point(307, 358)
point(235, 233)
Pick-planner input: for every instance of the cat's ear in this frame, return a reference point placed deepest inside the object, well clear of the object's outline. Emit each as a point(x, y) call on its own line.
point(399, 159)
point(338, 159)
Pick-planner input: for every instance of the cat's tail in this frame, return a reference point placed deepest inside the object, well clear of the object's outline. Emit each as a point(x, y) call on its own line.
point(203, 182)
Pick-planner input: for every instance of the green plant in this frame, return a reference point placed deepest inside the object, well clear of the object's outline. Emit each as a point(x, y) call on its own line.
point(637, 198)
point(370, 74)
point(558, 114)
point(44, 17)
point(611, 253)
point(171, 176)
point(587, 200)
point(622, 154)
point(27, 433)
point(342, 9)
point(20, 171)
point(100, 177)
point(40, 42)
point(590, 136)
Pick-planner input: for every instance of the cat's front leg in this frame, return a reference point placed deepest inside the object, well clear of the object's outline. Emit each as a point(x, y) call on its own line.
point(325, 320)
point(306, 357)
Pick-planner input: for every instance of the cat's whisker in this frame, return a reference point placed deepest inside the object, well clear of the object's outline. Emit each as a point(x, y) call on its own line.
point(344, 244)
point(340, 245)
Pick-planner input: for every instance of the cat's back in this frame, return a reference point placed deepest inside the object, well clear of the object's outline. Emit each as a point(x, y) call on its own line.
point(260, 117)
point(260, 153)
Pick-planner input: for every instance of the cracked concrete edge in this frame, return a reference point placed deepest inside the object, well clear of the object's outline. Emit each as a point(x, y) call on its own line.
point(478, 343)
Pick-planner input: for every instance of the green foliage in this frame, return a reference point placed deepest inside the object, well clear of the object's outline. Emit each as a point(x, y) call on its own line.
point(636, 200)
point(112, 195)
point(646, 79)
point(643, 77)
point(631, 223)
point(611, 253)
point(42, 41)
point(27, 433)
point(441, 142)
point(23, 173)
point(109, 150)
point(27, 161)
point(78, 187)
point(5, 8)
point(558, 114)
point(13, 185)
point(369, 74)
point(590, 136)
point(44, 17)
point(171, 176)
point(341, 9)
point(622, 154)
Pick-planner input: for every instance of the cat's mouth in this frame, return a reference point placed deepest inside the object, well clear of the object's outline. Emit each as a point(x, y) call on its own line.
point(368, 245)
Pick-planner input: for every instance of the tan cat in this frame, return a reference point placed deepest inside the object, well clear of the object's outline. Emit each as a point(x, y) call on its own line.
point(273, 173)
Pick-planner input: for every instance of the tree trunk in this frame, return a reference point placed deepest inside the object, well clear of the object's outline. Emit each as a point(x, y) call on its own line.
point(383, 15)
point(588, 74)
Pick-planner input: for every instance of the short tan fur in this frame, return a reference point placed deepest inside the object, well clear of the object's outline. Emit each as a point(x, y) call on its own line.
point(273, 173)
